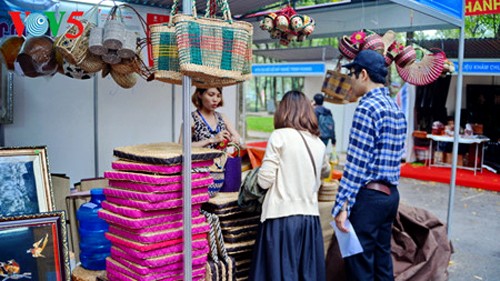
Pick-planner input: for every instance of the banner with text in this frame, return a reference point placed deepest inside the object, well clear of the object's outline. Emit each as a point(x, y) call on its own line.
point(481, 7)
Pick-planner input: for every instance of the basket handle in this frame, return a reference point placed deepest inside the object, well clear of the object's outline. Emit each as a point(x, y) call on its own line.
point(235, 145)
point(211, 9)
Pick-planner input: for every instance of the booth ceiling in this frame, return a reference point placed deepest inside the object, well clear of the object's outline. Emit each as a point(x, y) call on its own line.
point(237, 6)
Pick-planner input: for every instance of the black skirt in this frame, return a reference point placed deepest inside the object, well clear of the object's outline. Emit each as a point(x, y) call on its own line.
point(289, 249)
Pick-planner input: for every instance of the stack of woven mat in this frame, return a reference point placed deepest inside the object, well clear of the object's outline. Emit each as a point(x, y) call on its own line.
point(239, 230)
point(144, 209)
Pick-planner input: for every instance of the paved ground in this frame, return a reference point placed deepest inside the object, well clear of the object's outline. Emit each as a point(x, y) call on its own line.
point(475, 223)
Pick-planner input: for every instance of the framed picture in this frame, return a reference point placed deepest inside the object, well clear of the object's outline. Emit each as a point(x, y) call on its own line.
point(6, 95)
point(34, 247)
point(25, 186)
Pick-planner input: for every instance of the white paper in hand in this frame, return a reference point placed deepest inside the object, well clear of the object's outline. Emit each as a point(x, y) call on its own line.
point(348, 241)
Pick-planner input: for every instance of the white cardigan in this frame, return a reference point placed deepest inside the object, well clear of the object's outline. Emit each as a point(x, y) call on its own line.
point(287, 173)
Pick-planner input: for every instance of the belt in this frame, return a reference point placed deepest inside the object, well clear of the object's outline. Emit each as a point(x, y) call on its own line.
point(379, 187)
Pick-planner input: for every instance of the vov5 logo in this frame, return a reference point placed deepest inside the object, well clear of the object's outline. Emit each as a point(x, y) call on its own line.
point(38, 24)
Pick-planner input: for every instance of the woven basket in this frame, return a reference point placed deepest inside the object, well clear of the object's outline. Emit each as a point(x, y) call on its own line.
point(125, 81)
point(165, 52)
point(74, 50)
point(126, 66)
point(336, 86)
point(92, 63)
point(211, 48)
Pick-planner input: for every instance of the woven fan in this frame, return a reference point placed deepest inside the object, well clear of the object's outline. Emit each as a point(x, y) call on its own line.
point(425, 71)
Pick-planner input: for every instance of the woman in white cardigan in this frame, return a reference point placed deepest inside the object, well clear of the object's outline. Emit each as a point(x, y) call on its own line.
point(289, 244)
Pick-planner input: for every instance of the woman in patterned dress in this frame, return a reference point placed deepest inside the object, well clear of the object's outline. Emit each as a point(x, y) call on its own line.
point(208, 127)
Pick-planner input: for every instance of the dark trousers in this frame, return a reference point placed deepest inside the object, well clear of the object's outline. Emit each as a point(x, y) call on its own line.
point(371, 217)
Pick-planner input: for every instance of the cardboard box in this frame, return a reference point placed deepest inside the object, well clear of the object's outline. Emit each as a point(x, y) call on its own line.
point(448, 158)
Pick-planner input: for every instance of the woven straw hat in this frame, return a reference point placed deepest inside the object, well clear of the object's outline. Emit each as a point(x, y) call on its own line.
point(37, 57)
point(9, 49)
point(125, 81)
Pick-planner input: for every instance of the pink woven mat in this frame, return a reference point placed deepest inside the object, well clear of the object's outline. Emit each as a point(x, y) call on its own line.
point(147, 206)
point(148, 178)
point(124, 165)
point(137, 213)
point(160, 236)
point(155, 262)
point(196, 244)
point(166, 233)
point(169, 187)
point(139, 269)
point(150, 197)
point(141, 223)
point(116, 239)
point(121, 272)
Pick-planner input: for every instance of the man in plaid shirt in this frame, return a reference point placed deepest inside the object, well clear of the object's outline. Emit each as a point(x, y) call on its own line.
point(368, 193)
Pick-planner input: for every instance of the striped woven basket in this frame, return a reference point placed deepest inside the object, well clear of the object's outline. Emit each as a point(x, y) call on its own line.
point(165, 51)
point(214, 50)
point(337, 86)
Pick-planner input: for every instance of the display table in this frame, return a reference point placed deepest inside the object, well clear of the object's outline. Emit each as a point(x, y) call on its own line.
point(472, 140)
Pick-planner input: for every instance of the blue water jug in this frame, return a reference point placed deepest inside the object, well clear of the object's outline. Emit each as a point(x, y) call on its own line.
point(94, 247)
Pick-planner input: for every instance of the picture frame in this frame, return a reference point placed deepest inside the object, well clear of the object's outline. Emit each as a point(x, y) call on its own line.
point(6, 95)
point(25, 185)
point(34, 247)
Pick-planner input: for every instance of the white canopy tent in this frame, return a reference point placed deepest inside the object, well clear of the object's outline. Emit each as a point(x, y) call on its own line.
point(335, 20)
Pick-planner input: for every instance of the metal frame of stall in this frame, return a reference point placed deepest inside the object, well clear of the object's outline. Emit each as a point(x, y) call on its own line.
point(422, 6)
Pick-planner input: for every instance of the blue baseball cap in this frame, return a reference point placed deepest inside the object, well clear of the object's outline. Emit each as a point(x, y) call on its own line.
point(370, 60)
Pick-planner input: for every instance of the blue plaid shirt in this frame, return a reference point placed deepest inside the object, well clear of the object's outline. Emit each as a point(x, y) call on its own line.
point(376, 144)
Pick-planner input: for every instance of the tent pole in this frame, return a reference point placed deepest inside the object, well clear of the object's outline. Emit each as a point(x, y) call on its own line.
point(186, 165)
point(458, 107)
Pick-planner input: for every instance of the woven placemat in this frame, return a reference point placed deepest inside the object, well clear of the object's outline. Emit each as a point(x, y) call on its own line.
point(249, 236)
point(197, 244)
point(147, 247)
point(159, 236)
point(239, 222)
point(147, 206)
point(123, 272)
point(126, 165)
point(155, 262)
point(141, 223)
point(239, 229)
point(166, 153)
point(137, 213)
point(197, 261)
point(149, 178)
point(224, 199)
point(158, 188)
point(153, 197)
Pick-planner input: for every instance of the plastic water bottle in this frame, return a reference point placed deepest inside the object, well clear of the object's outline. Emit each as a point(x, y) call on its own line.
point(94, 247)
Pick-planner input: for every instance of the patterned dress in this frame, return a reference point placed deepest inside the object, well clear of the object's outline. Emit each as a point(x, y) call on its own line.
point(202, 130)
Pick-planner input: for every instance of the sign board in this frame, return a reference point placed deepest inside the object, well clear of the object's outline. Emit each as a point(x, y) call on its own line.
point(452, 8)
point(480, 67)
point(289, 69)
point(481, 7)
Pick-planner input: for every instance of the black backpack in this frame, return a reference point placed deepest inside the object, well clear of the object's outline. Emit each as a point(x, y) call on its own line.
point(326, 125)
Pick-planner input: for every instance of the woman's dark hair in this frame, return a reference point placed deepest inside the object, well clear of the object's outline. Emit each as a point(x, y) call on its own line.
point(295, 111)
point(196, 100)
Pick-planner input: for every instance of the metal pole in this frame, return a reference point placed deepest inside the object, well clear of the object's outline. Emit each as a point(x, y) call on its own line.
point(458, 107)
point(186, 167)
